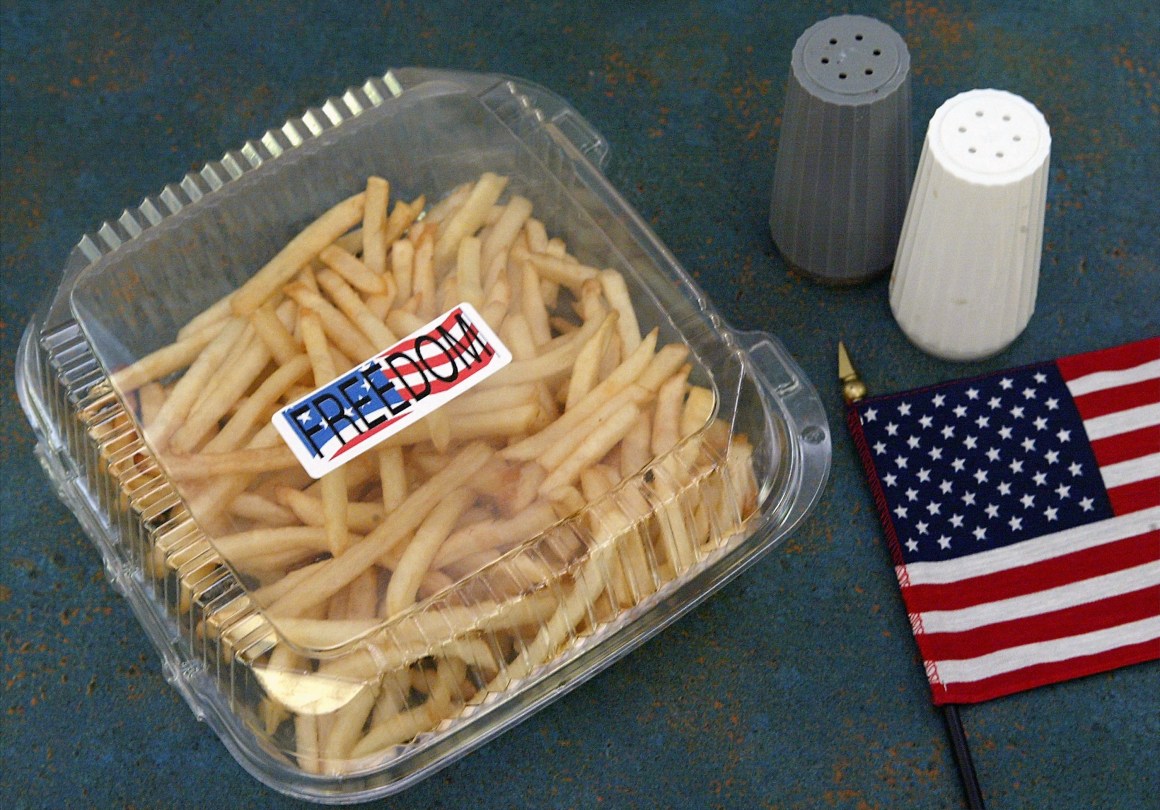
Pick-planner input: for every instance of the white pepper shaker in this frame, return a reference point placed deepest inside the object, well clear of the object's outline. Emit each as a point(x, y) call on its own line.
point(967, 269)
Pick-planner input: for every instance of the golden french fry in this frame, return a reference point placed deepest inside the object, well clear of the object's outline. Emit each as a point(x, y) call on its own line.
point(352, 306)
point(359, 275)
point(401, 218)
point(303, 247)
point(616, 292)
point(470, 216)
point(570, 274)
point(594, 447)
point(417, 556)
point(193, 382)
point(167, 359)
point(374, 246)
point(339, 329)
point(241, 425)
point(271, 331)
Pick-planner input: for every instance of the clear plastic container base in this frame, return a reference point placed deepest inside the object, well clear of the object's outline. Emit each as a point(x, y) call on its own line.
point(325, 680)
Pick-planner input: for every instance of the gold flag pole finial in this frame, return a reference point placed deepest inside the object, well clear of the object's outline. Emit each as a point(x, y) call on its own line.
point(853, 389)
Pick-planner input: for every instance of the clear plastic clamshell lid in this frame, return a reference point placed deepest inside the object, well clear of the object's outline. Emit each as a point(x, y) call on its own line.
point(352, 607)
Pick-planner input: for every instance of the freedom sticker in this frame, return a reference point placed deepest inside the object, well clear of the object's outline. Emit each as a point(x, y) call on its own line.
point(397, 387)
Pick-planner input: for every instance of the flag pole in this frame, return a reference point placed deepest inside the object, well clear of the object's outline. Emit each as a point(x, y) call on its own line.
point(853, 390)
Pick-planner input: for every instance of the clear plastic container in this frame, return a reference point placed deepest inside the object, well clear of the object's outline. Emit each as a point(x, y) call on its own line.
point(357, 693)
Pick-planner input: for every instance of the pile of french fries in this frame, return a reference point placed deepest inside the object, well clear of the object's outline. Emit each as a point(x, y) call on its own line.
point(451, 561)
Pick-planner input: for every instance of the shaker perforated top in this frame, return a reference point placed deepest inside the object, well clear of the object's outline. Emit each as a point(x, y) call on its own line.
point(851, 59)
point(989, 136)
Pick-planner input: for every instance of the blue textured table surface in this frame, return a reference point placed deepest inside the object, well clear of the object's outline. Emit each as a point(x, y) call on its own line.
point(798, 685)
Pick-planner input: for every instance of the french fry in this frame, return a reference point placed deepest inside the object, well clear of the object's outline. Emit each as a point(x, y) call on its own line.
point(616, 292)
point(505, 230)
point(333, 484)
point(417, 556)
point(271, 331)
point(303, 247)
point(468, 271)
point(374, 227)
point(191, 384)
point(166, 360)
point(359, 275)
point(470, 216)
point(352, 306)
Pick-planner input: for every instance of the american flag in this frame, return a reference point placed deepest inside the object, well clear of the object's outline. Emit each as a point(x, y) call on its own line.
point(1022, 510)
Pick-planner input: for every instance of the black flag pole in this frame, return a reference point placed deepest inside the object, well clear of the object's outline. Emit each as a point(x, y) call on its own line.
point(853, 391)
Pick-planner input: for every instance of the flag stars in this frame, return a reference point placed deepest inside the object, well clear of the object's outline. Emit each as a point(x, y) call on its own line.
point(948, 432)
point(1076, 469)
point(1040, 423)
point(1040, 377)
point(879, 448)
point(1052, 404)
point(1063, 491)
point(946, 487)
point(981, 476)
point(972, 393)
point(1017, 412)
point(1004, 488)
point(1029, 393)
point(1051, 514)
point(980, 533)
point(992, 454)
point(1027, 500)
point(891, 429)
point(1087, 504)
point(970, 442)
point(926, 421)
point(933, 507)
point(939, 400)
point(969, 498)
point(1016, 523)
point(958, 465)
point(1052, 456)
point(935, 453)
point(1005, 432)
point(304, 418)
point(912, 442)
point(900, 461)
point(960, 411)
point(1040, 478)
point(957, 521)
point(922, 527)
point(890, 479)
point(983, 421)
point(1063, 436)
point(944, 542)
point(1016, 466)
point(994, 403)
point(912, 494)
point(904, 409)
point(901, 511)
point(1029, 444)
point(1006, 383)
point(870, 415)
point(912, 545)
point(992, 511)
point(924, 475)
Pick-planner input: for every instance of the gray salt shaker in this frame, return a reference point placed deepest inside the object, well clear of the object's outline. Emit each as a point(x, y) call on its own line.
point(843, 173)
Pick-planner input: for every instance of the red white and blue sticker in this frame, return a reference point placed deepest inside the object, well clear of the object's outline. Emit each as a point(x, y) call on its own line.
point(397, 387)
